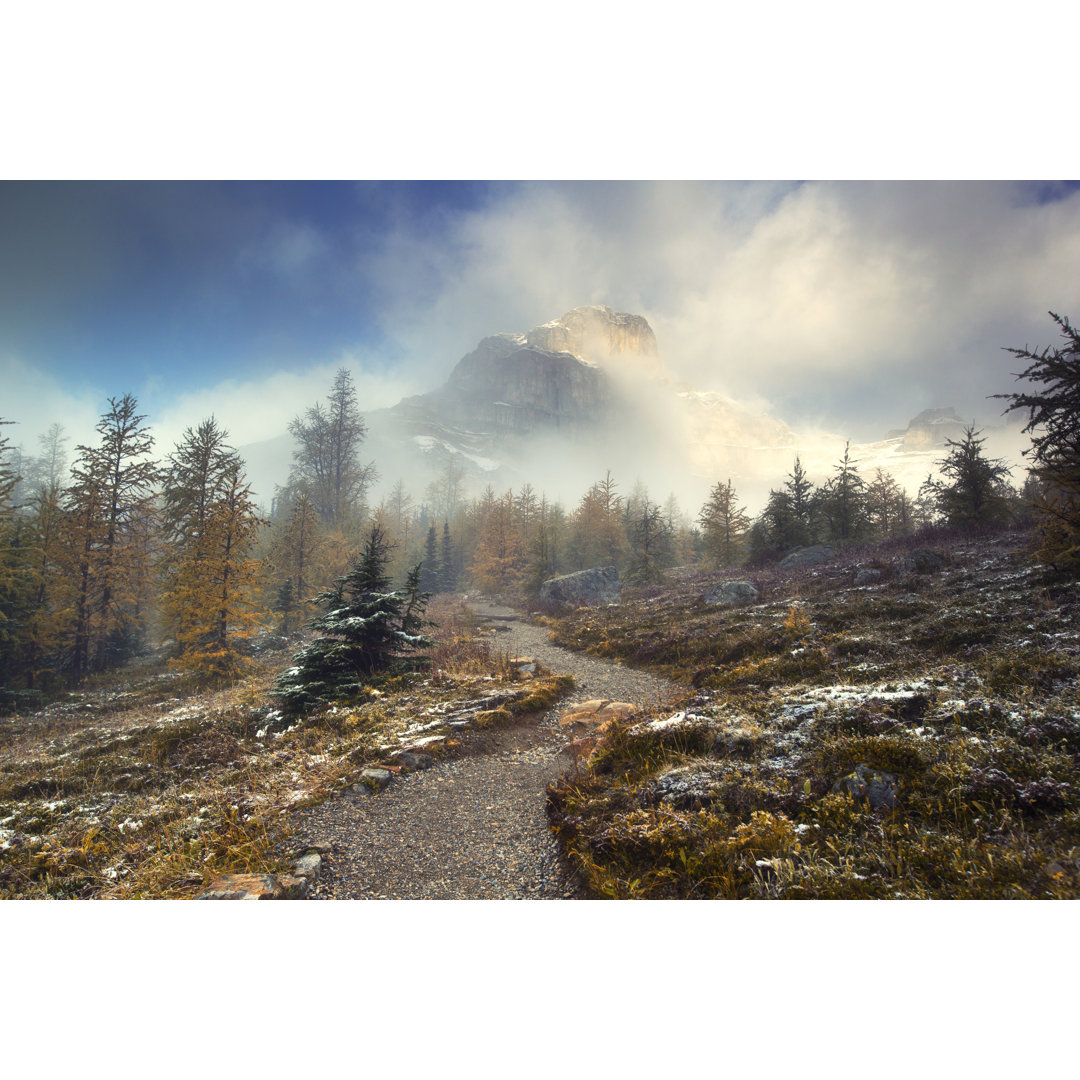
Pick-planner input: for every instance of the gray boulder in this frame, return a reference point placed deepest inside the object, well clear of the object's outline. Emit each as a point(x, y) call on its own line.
point(807, 556)
point(868, 575)
point(923, 561)
point(731, 593)
point(586, 588)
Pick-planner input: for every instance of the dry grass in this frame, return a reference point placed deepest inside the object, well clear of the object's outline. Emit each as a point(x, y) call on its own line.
point(963, 685)
point(145, 787)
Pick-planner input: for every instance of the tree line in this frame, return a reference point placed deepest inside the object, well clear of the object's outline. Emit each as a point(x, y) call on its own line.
point(121, 550)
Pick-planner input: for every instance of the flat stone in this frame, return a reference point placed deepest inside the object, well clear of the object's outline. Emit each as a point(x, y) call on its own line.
point(293, 888)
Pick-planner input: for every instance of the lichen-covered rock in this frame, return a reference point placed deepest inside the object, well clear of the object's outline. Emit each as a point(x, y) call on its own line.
point(807, 556)
point(250, 887)
point(586, 588)
point(375, 779)
point(867, 784)
point(730, 593)
point(923, 561)
point(597, 711)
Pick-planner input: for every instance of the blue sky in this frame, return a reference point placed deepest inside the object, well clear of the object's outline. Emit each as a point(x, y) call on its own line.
point(848, 306)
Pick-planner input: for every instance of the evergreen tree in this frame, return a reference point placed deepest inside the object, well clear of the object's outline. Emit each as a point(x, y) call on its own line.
point(1053, 406)
point(724, 525)
point(448, 575)
point(14, 600)
point(974, 488)
point(430, 566)
point(842, 501)
point(799, 530)
point(366, 628)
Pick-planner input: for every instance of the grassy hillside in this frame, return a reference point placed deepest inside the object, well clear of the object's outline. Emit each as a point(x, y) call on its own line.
point(949, 699)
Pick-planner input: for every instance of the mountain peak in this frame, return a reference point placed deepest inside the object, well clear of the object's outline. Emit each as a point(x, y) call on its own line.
point(596, 334)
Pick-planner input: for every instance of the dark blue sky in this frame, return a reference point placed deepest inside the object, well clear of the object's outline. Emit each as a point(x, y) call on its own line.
point(112, 282)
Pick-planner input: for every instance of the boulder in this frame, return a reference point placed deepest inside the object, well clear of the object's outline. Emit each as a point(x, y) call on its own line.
point(867, 784)
point(923, 561)
point(308, 865)
point(731, 593)
point(807, 556)
point(586, 588)
point(868, 575)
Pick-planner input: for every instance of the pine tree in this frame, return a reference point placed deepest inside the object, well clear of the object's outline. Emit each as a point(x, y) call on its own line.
point(366, 628)
point(800, 506)
point(1053, 406)
point(724, 525)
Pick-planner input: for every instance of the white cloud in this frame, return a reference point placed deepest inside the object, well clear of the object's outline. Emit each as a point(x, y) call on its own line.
point(35, 400)
point(253, 410)
point(859, 303)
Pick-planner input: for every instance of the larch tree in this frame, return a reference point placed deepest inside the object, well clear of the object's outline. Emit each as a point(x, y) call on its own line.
point(196, 476)
point(724, 524)
point(326, 462)
point(295, 549)
point(216, 581)
point(110, 517)
point(650, 542)
point(13, 554)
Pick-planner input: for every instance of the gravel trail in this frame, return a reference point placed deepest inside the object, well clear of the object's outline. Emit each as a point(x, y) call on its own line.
point(471, 828)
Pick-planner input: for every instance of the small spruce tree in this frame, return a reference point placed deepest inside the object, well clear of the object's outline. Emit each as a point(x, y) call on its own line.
point(366, 628)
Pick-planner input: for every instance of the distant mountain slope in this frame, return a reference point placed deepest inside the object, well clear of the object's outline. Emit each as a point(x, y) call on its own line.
point(563, 403)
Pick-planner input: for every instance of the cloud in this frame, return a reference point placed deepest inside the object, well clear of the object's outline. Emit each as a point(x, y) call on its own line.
point(849, 304)
point(35, 400)
point(253, 410)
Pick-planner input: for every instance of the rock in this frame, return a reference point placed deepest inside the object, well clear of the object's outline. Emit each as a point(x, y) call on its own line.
point(246, 887)
point(868, 575)
point(586, 588)
point(688, 787)
point(923, 561)
point(308, 866)
point(375, 779)
point(731, 593)
point(597, 711)
point(806, 556)
point(867, 784)
point(416, 759)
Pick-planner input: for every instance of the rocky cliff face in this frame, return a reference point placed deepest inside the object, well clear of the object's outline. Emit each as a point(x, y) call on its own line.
point(613, 340)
